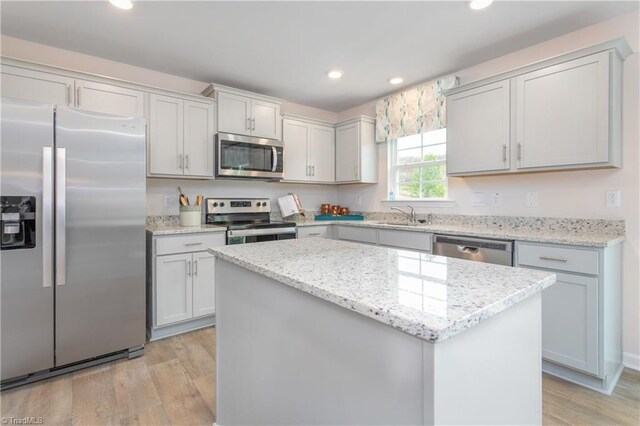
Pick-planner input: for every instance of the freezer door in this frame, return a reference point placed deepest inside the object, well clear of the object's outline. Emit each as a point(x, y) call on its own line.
point(100, 234)
point(26, 293)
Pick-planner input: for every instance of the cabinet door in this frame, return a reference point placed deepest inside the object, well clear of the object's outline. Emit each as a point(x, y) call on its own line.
point(36, 86)
point(295, 135)
point(266, 119)
point(166, 135)
point(174, 293)
point(99, 97)
point(348, 153)
point(313, 231)
point(563, 114)
point(322, 153)
point(234, 112)
point(570, 322)
point(198, 139)
point(478, 129)
point(204, 290)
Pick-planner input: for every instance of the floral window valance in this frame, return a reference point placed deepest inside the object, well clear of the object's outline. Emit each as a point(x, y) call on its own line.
point(414, 111)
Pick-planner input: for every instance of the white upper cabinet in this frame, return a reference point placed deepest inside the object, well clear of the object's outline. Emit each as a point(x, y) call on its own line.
point(198, 138)
point(322, 153)
point(166, 136)
point(234, 112)
point(308, 151)
point(478, 129)
point(244, 115)
point(265, 119)
point(563, 114)
point(559, 114)
point(21, 83)
point(180, 137)
point(100, 97)
point(356, 151)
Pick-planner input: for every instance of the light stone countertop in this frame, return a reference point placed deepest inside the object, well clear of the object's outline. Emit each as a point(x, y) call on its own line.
point(430, 297)
point(165, 229)
point(585, 239)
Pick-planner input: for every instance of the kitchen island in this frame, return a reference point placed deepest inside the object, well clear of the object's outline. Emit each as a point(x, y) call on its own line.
point(316, 331)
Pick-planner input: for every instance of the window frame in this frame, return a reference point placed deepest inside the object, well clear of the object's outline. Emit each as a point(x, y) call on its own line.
point(393, 169)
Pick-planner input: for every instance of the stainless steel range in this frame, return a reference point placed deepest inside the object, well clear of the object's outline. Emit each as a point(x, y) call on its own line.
point(247, 220)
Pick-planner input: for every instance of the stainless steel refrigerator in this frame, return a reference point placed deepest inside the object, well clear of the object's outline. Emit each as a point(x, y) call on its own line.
point(72, 260)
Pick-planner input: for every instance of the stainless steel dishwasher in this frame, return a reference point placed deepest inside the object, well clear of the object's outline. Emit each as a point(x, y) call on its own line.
point(499, 252)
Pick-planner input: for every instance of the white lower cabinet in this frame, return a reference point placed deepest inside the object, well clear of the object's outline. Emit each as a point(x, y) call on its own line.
point(180, 283)
point(410, 240)
point(314, 231)
point(174, 293)
point(581, 312)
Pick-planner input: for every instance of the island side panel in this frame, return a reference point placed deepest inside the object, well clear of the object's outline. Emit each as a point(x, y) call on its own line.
point(286, 357)
point(490, 373)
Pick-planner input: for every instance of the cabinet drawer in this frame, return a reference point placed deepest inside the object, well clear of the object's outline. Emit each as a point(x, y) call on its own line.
point(405, 239)
point(558, 258)
point(313, 231)
point(362, 235)
point(188, 243)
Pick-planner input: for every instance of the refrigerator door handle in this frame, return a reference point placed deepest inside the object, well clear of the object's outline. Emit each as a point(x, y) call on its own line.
point(61, 216)
point(47, 216)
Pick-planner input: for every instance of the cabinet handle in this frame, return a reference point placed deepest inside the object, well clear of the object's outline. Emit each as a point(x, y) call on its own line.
point(195, 268)
point(308, 171)
point(78, 96)
point(253, 125)
point(187, 161)
point(519, 151)
point(315, 233)
point(356, 171)
point(504, 152)
point(180, 161)
point(248, 123)
point(192, 244)
point(555, 259)
point(189, 268)
point(68, 95)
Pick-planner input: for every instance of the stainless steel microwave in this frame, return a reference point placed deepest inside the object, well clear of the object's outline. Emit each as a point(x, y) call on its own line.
point(245, 157)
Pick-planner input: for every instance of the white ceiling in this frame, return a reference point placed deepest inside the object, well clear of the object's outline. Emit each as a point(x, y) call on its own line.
point(284, 49)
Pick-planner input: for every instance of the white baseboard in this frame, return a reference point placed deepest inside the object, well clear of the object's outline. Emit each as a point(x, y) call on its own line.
point(631, 361)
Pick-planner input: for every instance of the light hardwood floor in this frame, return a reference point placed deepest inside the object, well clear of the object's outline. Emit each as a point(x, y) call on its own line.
point(174, 383)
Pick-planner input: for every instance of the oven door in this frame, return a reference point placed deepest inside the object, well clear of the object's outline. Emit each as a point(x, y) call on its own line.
point(246, 236)
point(247, 157)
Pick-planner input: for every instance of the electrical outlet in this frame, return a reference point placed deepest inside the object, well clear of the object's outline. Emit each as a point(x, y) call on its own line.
point(170, 201)
point(477, 199)
point(532, 199)
point(496, 198)
point(613, 198)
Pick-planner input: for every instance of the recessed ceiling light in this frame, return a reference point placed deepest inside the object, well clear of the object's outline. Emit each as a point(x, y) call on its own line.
point(122, 4)
point(396, 80)
point(479, 4)
point(334, 74)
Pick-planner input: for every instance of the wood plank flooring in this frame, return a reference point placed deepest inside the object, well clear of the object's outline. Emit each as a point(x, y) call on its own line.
point(174, 384)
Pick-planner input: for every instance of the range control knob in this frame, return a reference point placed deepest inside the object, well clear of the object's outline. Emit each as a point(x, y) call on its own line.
point(222, 204)
point(215, 204)
point(264, 204)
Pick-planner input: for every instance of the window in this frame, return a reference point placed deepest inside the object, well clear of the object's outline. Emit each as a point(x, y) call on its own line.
point(417, 166)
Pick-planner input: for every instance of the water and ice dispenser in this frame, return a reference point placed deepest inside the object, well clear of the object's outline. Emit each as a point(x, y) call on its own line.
point(18, 222)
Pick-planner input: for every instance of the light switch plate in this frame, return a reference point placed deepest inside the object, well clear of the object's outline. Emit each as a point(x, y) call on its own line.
point(532, 199)
point(477, 199)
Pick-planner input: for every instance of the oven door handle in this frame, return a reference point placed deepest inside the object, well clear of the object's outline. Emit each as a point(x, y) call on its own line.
point(259, 232)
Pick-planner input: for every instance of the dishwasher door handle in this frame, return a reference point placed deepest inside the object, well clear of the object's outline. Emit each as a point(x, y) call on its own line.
point(467, 249)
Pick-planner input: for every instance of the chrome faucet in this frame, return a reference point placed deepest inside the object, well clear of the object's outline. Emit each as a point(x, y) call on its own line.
point(411, 215)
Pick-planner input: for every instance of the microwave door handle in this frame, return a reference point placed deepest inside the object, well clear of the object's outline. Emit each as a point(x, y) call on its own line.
point(275, 158)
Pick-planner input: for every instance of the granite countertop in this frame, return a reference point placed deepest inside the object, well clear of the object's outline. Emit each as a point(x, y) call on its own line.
point(430, 297)
point(166, 229)
point(586, 239)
